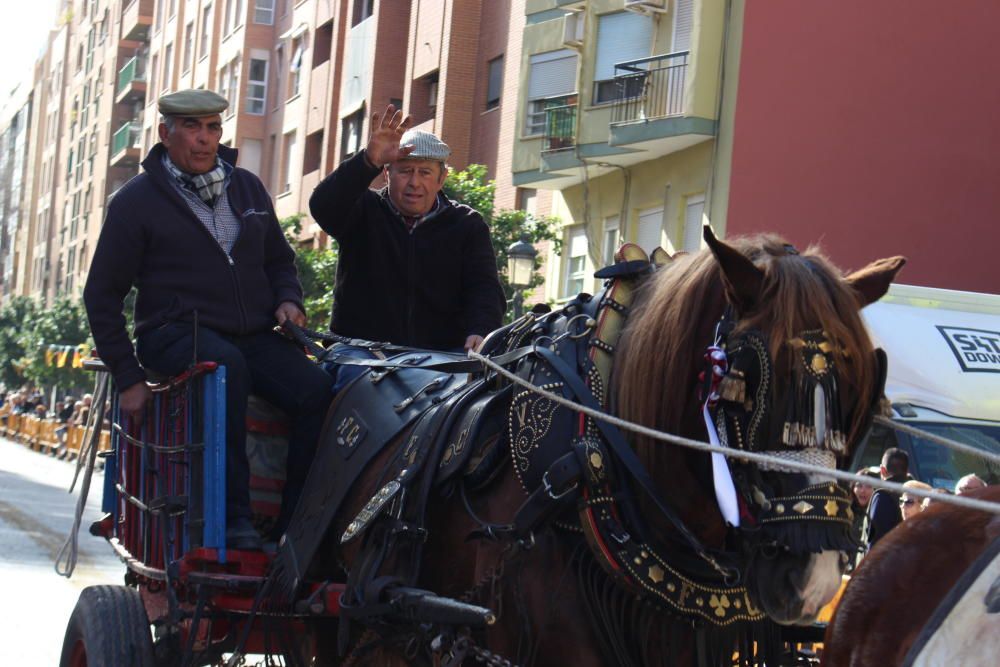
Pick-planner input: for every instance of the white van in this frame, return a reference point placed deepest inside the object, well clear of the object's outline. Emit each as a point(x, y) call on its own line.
point(944, 377)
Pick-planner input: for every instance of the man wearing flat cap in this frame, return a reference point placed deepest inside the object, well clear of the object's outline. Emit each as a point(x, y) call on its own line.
point(198, 237)
point(414, 268)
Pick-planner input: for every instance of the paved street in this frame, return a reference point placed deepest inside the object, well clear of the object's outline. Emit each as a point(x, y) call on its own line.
point(36, 514)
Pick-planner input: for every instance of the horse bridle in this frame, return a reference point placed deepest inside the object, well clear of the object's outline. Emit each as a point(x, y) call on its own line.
point(738, 388)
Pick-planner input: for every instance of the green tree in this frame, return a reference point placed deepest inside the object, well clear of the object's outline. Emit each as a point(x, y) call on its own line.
point(317, 269)
point(471, 187)
point(13, 317)
point(64, 323)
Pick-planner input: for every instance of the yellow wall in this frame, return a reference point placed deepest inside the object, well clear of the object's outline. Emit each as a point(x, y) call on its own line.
point(672, 178)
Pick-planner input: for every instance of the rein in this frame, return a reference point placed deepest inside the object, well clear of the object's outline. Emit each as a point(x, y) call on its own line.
point(775, 462)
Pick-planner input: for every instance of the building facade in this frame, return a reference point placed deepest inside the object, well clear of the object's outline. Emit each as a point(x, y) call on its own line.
point(617, 117)
point(303, 80)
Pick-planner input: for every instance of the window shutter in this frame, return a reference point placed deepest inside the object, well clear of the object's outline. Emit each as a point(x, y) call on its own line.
point(692, 223)
point(621, 37)
point(650, 229)
point(683, 20)
point(552, 74)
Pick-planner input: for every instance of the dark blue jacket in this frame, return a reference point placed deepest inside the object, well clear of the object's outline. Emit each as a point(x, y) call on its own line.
point(151, 238)
point(430, 288)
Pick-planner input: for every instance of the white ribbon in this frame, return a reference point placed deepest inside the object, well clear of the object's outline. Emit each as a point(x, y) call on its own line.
point(725, 490)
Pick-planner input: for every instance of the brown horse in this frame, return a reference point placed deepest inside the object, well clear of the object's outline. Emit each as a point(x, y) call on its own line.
point(554, 604)
point(900, 583)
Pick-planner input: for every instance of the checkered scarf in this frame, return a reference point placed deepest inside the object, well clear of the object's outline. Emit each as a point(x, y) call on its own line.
point(207, 186)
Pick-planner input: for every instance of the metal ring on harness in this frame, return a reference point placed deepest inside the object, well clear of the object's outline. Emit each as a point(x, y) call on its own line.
point(588, 324)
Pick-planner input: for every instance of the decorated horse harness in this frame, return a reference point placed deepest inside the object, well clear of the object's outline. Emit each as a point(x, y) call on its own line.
point(580, 474)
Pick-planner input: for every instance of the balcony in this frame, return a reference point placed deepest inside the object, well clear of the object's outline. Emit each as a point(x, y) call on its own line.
point(125, 145)
point(131, 81)
point(137, 19)
point(649, 104)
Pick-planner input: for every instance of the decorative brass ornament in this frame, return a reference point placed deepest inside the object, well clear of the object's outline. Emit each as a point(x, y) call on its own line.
point(779, 508)
point(818, 364)
point(656, 574)
point(802, 507)
point(831, 508)
point(596, 461)
point(720, 603)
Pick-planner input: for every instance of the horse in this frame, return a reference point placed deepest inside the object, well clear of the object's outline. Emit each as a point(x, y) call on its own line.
point(890, 609)
point(640, 567)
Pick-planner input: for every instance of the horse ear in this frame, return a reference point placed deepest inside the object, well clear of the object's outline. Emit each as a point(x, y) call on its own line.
point(872, 282)
point(743, 278)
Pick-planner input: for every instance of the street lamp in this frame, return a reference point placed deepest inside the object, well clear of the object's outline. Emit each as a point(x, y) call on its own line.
point(520, 268)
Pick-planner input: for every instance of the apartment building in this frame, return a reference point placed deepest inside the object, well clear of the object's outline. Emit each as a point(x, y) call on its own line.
point(617, 114)
point(303, 79)
point(15, 115)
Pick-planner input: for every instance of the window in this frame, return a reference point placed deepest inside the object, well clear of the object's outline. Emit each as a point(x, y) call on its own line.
point(263, 12)
point(279, 69)
point(250, 155)
point(432, 93)
point(576, 267)
point(611, 240)
point(350, 133)
point(224, 81)
point(234, 18)
point(257, 86)
point(527, 200)
point(362, 10)
point(206, 27)
point(322, 44)
point(551, 83)
point(234, 83)
point(494, 83)
point(153, 72)
point(286, 164)
point(693, 213)
point(650, 233)
point(188, 46)
point(683, 20)
point(168, 67)
point(621, 37)
point(173, 9)
point(295, 67)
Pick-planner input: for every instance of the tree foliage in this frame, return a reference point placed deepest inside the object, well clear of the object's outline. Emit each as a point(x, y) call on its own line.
point(317, 268)
point(16, 313)
point(27, 329)
point(471, 187)
point(64, 323)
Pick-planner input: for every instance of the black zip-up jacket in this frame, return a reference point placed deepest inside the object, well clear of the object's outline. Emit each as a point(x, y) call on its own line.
point(429, 288)
point(151, 238)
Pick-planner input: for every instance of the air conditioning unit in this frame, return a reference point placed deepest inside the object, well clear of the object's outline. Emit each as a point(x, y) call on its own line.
point(573, 29)
point(647, 6)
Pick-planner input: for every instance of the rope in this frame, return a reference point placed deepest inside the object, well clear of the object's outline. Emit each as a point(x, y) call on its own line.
point(752, 457)
point(941, 440)
point(67, 557)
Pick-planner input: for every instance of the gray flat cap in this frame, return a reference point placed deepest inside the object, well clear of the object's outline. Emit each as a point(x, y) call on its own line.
point(192, 103)
point(428, 147)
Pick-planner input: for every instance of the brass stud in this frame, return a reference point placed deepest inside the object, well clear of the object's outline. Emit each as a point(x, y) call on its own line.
point(779, 508)
point(671, 588)
point(656, 574)
point(802, 507)
point(831, 508)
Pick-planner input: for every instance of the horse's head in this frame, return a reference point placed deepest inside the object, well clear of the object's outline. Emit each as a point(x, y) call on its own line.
point(801, 381)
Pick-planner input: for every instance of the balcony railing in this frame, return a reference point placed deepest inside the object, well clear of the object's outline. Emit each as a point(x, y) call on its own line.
point(134, 70)
point(127, 136)
point(646, 88)
point(560, 127)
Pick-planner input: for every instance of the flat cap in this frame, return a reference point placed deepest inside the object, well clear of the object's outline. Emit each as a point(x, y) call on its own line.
point(427, 146)
point(192, 103)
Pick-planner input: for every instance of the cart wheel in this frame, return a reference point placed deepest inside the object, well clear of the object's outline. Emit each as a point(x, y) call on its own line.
point(109, 627)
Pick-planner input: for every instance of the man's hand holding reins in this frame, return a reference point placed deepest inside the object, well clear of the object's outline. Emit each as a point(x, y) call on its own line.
point(132, 401)
point(383, 144)
point(289, 311)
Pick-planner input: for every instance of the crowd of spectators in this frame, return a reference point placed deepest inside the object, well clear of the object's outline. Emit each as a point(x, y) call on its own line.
point(68, 411)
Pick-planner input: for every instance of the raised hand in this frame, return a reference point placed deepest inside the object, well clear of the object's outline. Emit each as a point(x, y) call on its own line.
point(383, 143)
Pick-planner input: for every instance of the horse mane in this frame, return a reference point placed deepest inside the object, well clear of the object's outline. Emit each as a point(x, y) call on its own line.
point(656, 372)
